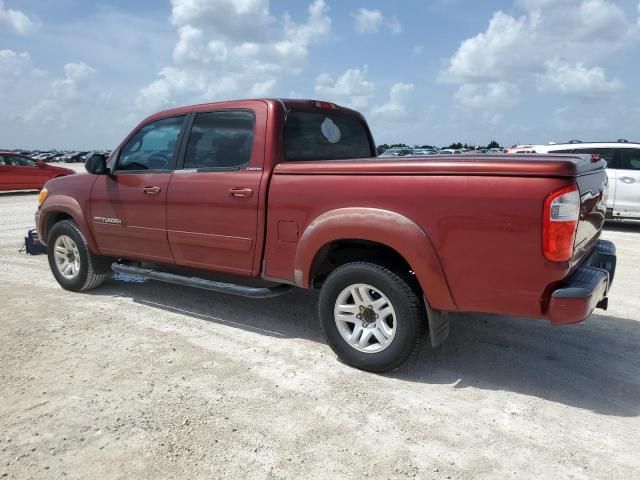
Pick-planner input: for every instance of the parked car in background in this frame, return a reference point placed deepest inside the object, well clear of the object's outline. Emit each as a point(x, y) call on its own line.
point(623, 170)
point(73, 157)
point(522, 149)
point(397, 152)
point(19, 172)
point(449, 151)
point(424, 151)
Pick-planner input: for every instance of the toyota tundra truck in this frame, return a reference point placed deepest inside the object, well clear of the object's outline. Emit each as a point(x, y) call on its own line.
point(256, 197)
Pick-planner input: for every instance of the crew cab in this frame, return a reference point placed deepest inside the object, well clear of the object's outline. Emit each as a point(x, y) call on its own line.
point(277, 194)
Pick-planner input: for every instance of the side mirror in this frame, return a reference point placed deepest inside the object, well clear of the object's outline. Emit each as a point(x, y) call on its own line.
point(96, 164)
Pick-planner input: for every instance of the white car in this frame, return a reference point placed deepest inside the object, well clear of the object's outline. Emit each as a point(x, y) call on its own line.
point(623, 170)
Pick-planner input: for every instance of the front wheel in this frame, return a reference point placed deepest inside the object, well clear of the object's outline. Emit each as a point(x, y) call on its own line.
point(372, 318)
point(72, 263)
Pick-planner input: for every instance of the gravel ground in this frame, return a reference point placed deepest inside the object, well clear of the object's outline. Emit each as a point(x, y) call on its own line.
point(146, 380)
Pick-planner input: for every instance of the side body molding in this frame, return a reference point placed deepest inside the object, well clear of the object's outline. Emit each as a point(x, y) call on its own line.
point(387, 228)
point(65, 204)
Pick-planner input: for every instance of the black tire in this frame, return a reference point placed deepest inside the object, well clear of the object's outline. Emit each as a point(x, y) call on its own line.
point(410, 316)
point(93, 270)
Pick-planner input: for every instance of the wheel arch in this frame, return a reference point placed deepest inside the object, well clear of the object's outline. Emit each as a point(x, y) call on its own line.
point(382, 234)
point(58, 208)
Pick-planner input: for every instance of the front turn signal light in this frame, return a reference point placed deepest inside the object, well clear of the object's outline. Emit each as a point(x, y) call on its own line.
point(42, 196)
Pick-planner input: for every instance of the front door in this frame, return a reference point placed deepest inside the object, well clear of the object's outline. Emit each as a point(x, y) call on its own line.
point(212, 205)
point(627, 191)
point(128, 207)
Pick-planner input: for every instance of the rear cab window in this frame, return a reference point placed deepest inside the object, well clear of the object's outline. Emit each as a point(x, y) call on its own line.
point(325, 135)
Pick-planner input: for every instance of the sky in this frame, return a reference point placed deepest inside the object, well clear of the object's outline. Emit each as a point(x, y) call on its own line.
point(76, 74)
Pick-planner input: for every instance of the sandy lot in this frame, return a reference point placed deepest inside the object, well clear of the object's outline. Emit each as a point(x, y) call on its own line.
point(146, 380)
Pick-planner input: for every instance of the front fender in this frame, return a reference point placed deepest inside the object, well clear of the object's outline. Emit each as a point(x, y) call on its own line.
point(56, 204)
point(381, 226)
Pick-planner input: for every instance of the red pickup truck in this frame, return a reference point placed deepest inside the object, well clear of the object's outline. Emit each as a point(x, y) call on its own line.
point(283, 193)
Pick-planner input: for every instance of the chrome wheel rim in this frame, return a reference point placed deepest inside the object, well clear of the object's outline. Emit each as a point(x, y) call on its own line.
point(365, 318)
point(67, 256)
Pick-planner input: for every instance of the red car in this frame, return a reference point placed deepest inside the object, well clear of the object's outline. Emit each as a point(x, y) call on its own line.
point(19, 172)
point(288, 193)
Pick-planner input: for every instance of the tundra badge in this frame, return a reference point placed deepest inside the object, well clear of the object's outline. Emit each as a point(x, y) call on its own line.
point(111, 220)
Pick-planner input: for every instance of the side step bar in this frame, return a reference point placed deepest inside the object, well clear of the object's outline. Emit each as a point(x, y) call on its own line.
point(222, 287)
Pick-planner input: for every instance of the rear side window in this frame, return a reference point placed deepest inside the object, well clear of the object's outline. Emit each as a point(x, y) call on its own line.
point(607, 154)
point(325, 136)
point(630, 159)
point(220, 140)
point(19, 161)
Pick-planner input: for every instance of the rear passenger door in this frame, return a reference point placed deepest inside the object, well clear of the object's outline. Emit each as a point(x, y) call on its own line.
point(627, 190)
point(212, 203)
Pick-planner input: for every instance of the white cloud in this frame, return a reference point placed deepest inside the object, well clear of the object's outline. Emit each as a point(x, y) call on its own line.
point(493, 54)
point(218, 56)
point(64, 92)
point(487, 96)
point(351, 89)
point(17, 20)
point(262, 89)
point(417, 49)
point(576, 36)
point(370, 21)
point(13, 64)
point(367, 21)
point(396, 108)
point(577, 79)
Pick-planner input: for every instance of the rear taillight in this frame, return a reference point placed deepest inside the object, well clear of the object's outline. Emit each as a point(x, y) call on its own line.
point(560, 220)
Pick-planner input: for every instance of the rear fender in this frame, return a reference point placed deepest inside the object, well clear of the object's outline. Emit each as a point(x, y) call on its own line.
point(56, 204)
point(381, 226)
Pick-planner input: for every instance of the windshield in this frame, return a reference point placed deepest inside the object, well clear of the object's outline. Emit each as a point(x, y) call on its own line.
point(325, 136)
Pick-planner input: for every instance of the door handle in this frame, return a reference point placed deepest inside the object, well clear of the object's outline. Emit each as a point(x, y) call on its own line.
point(151, 190)
point(627, 180)
point(241, 192)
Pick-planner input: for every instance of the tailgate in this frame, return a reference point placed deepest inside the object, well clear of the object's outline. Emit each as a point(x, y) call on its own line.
point(593, 190)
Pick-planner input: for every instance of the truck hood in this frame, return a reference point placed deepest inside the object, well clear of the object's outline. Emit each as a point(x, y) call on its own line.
point(490, 165)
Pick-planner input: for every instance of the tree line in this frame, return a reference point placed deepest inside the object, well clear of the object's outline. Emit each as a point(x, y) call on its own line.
point(453, 146)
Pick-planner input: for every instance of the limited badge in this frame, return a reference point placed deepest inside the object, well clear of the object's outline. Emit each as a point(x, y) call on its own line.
point(330, 131)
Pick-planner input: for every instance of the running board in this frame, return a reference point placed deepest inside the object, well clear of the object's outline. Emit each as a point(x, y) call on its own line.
point(222, 287)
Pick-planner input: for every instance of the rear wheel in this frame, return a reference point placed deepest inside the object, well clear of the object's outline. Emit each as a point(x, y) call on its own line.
point(71, 262)
point(371, 317)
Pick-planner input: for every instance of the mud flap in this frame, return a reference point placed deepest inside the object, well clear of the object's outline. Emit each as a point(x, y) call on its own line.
point(438, 325)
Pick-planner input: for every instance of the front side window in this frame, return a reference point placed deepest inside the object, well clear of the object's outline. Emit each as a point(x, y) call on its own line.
point(153, 147)
point(220, 140)
point(325, 136)
point(630, 159)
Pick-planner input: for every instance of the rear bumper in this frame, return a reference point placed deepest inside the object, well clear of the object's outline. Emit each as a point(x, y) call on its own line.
point(587, 288)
